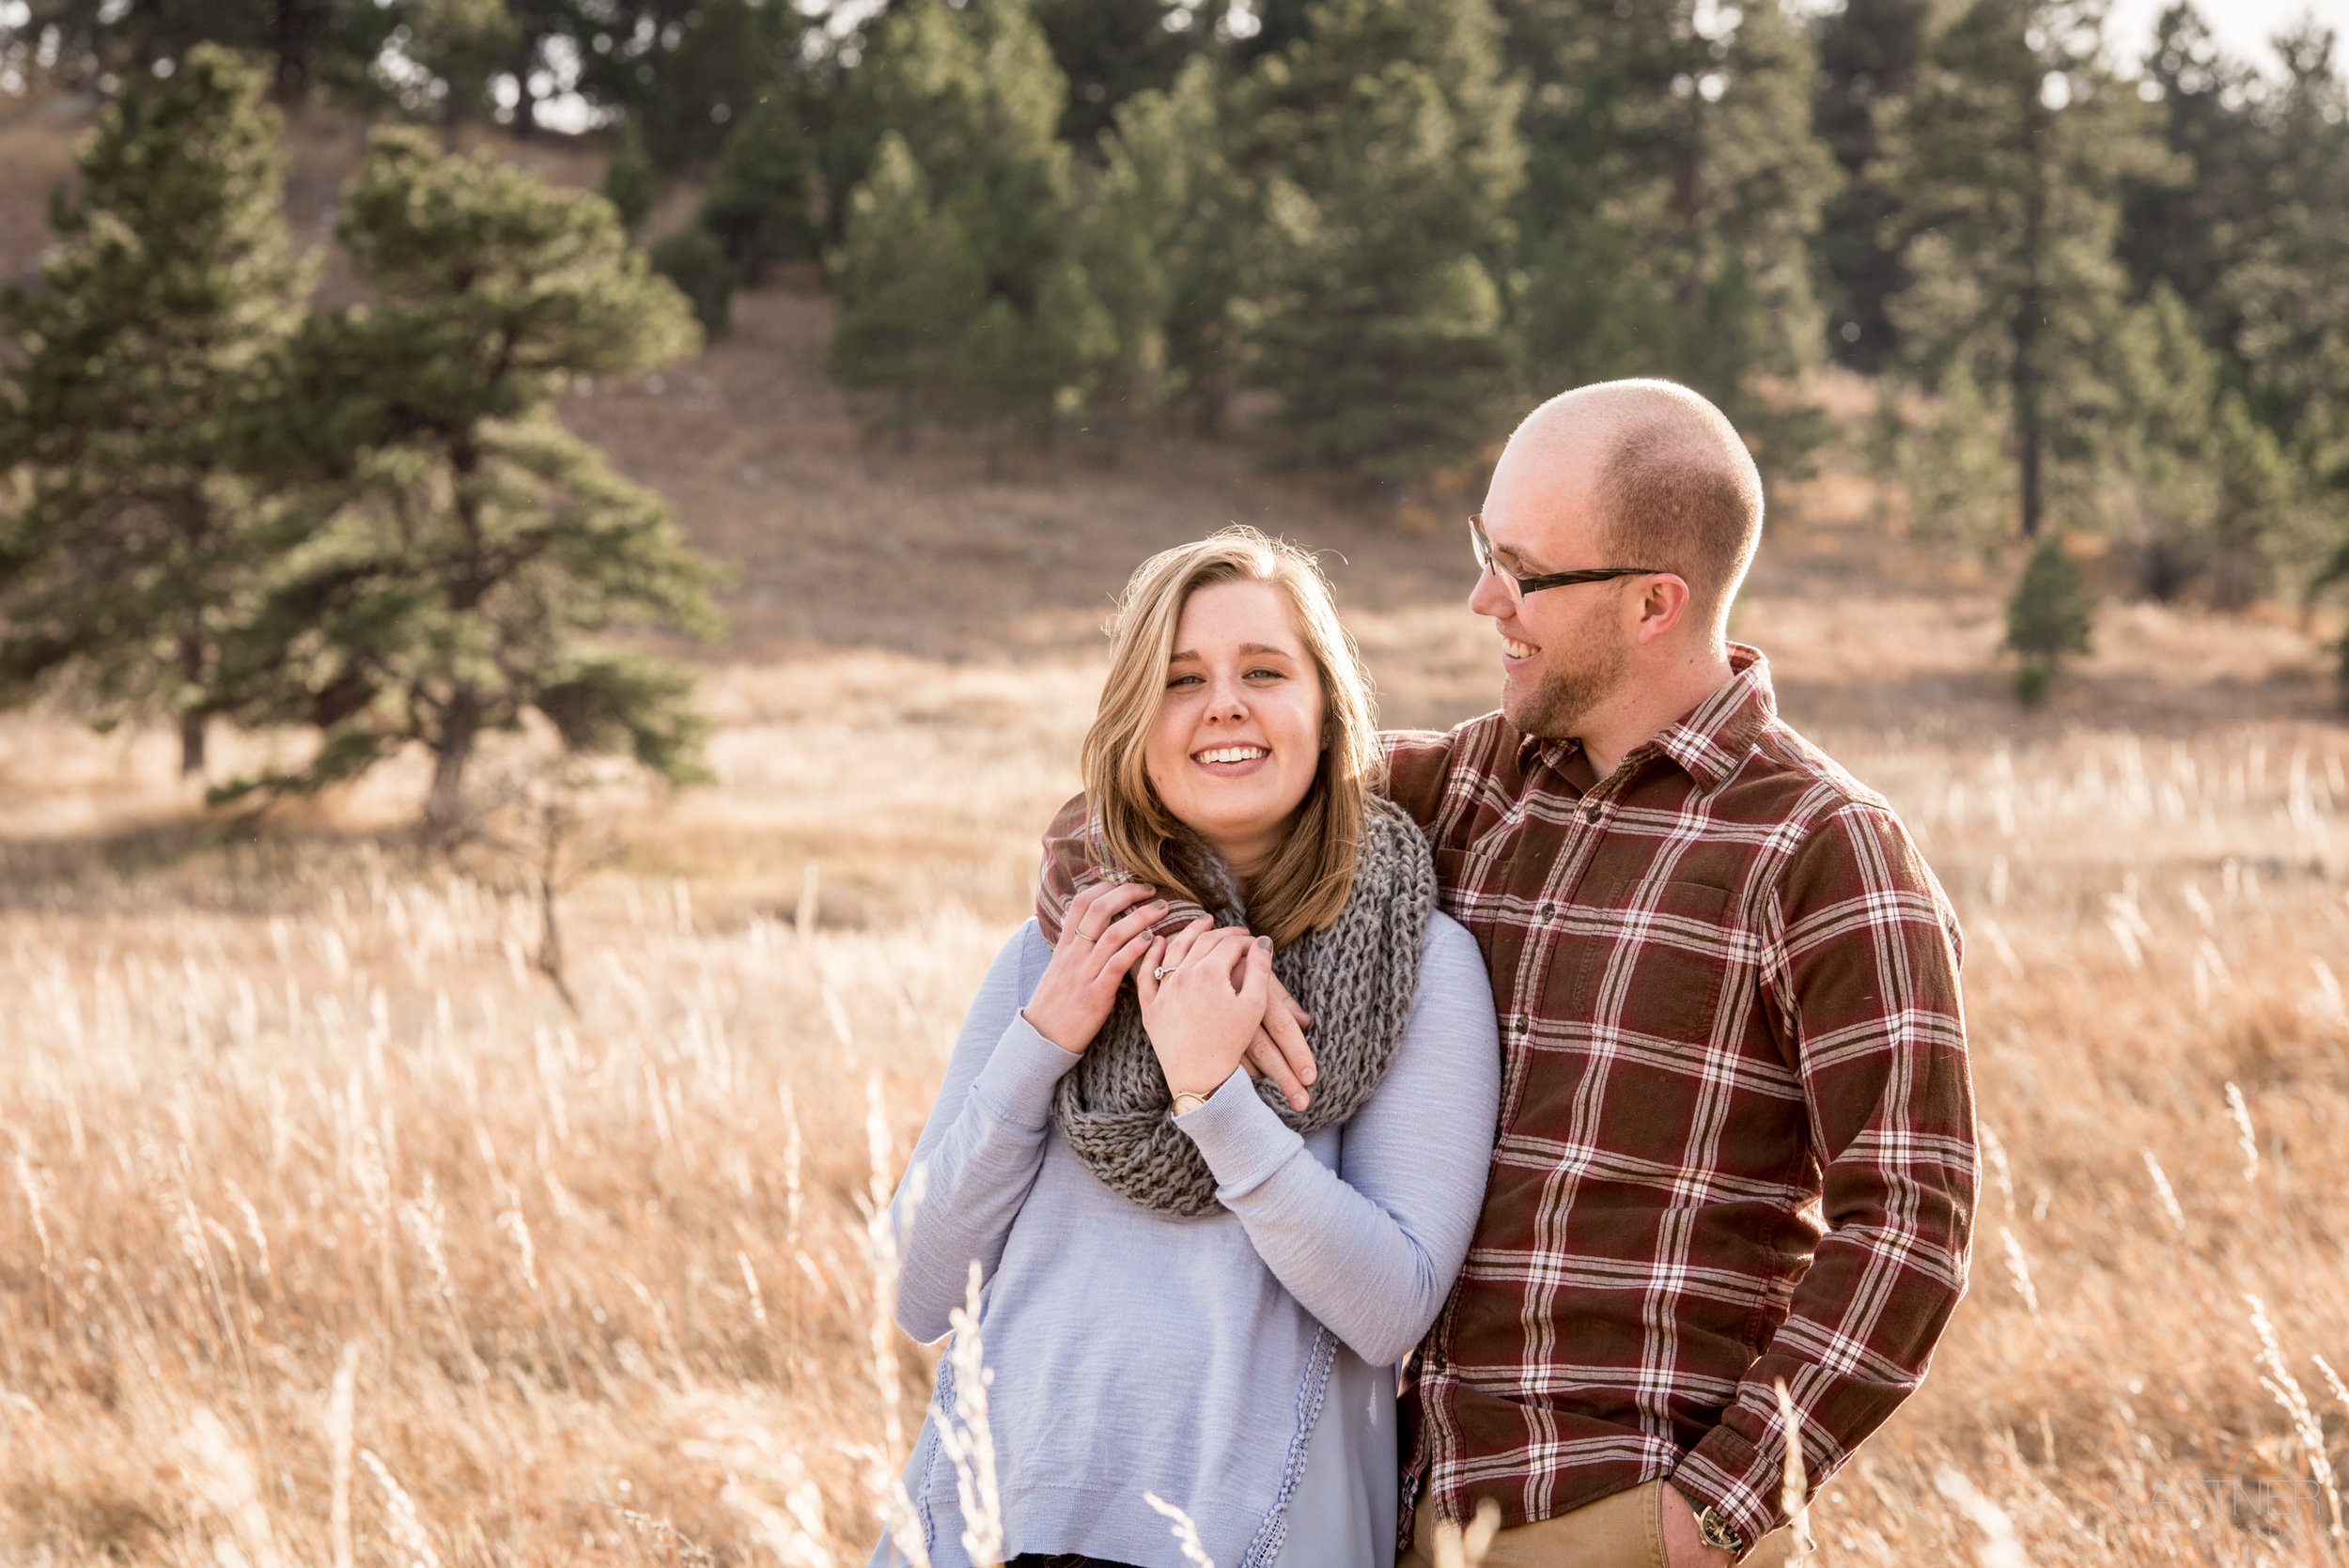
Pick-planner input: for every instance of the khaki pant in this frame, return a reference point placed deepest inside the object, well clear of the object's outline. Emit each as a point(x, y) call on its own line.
point(1624, 1530)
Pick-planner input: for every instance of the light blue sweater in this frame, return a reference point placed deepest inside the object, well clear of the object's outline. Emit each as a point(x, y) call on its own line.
point(1239, 1364)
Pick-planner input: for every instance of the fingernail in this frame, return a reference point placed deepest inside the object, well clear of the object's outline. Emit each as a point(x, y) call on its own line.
point(1265, 942)
point(1308, 1075)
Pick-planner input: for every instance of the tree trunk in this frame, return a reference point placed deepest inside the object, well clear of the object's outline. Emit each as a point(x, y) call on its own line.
point(2029, 323)
point(452, 748)
point(525, 101)
point(192, 724)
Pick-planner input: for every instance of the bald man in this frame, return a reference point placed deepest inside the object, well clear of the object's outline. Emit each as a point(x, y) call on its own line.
point(1736, 1145)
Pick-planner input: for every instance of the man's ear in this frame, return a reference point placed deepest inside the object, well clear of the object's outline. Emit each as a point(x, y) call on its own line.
point(1662, 606)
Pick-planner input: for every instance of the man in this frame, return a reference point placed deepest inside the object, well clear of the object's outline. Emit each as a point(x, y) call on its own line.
point(1737, 1144)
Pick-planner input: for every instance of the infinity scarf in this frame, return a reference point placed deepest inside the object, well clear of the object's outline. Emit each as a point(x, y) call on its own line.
point(1357, 979)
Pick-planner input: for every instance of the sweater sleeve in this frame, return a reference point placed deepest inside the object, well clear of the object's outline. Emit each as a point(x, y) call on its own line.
point(979, 1152)
point(1371, 1248)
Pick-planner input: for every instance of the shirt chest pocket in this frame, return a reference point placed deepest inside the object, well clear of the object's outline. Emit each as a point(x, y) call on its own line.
point(1655, 959)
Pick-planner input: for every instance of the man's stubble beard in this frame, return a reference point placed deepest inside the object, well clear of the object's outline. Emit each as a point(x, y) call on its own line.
point(1557, 709)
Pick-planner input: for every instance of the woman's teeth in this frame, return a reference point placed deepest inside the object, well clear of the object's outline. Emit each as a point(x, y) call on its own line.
point(1233, 753)
point(1517, 650)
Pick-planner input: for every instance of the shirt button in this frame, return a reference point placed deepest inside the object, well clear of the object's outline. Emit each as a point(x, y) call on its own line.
point(1591, 812)
point(1546, 911)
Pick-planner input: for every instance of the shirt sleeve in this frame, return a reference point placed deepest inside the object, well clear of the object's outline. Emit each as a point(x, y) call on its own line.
point(1417, 762)
point(980, 1150)
point(1371, 1248)
point(1075, 859)
point(1863, 975)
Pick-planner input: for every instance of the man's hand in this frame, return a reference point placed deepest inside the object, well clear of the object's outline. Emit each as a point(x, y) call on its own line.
point(1684, 1543)
point(1107, 931)
point(1279, 1051)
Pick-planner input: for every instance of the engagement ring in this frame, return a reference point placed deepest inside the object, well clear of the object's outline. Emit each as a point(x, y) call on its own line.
point(1162, 973)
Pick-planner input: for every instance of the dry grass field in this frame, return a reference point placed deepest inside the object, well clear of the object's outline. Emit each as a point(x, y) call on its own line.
point(330, 1235)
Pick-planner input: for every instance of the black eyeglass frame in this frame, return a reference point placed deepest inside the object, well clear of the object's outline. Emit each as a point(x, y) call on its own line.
point(1482, 544)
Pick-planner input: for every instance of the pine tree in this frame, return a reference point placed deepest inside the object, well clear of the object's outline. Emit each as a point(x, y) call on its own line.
point(2018, 138)
point(465, 555)
point(1869, 51)
point(910, 287)
point(2188, 230)
point(462, 46)
point(683, 71)
point(1952, 469)
point(1674, 181)
point(1383, 150)
point(148, 356)
point(2048, 620)
point(1110, 50)
point(693, 259)
point(630, 184)
point(975, 99)
point(761, 205)
point(1166, 245)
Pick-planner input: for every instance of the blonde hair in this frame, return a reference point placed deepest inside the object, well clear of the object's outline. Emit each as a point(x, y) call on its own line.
point(1305, 885)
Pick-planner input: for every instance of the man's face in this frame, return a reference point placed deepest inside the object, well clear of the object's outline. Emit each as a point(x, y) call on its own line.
point(1564, 651)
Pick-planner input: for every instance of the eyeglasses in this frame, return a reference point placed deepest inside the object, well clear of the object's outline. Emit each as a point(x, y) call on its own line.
point(1520, 586)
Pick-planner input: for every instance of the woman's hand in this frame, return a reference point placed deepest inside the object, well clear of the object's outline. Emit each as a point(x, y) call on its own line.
point(1205, 1013)
point(1106, 930)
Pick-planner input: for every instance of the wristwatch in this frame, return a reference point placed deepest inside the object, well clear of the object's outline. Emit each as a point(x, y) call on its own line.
point(1187, 1102)
point(1717, 1531)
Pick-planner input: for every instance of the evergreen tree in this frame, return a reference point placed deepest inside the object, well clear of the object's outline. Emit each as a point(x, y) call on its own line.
point(148, 356)
point(630, 184)
point(1278, 24)
point(1166, 245)
point(2188, 231)
point(1674, 182)
point(2018, 138)
point(1110, 50)
point(1383, 150)
point(465, 555)
point(683, 71)
point(2048, 620)
point(95, 45)
point(2288, 286)
point(760, 203)
point(1869, 51)
point(910, 287)
point(974, 98)
point(461, 46)
point(1953, 471)
point(693, 259)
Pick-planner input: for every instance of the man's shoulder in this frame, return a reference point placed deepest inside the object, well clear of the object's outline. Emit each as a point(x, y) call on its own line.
point(1802, 780)
point(1423, 766)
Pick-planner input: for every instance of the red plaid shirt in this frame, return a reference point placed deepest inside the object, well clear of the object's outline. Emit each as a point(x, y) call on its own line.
point(1736, 1137)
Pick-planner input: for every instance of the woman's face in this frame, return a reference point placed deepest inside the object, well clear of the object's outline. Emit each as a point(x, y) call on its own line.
point(1238, 737)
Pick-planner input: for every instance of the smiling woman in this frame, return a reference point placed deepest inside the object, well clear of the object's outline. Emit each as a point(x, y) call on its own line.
point(1197, 1286)
point(1236, 708)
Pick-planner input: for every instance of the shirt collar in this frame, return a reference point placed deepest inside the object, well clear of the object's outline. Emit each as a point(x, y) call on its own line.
point(1709, 741)
point(1713, 739)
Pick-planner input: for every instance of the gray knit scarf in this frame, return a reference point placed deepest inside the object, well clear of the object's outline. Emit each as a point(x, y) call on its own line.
point(1356, 979)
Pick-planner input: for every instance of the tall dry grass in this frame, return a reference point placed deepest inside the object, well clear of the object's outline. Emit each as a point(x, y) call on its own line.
point(331, 1236)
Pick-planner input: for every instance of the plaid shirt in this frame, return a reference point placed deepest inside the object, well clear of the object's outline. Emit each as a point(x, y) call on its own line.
point(1737, 1137)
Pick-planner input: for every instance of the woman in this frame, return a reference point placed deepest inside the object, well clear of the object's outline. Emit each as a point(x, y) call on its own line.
point(1195, 1288)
